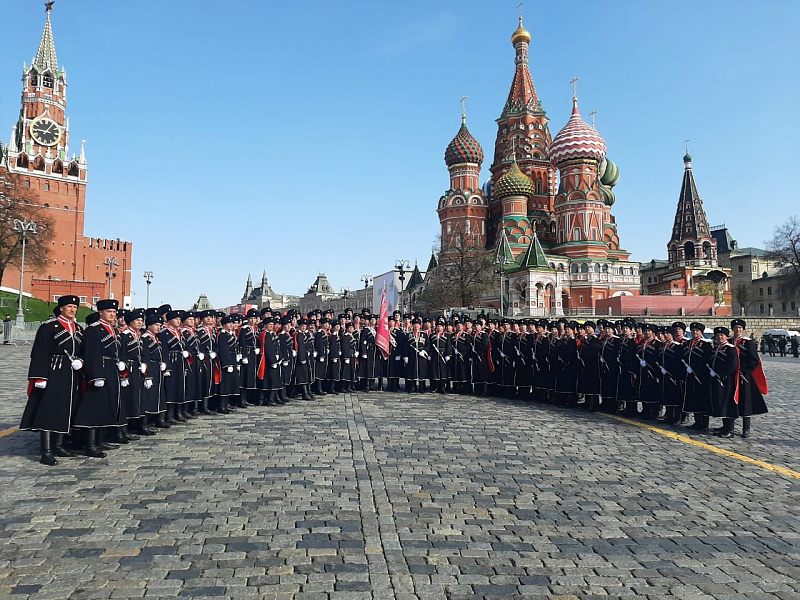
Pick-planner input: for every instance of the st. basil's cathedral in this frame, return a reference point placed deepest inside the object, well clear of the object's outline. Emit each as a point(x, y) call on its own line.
point(555, 238)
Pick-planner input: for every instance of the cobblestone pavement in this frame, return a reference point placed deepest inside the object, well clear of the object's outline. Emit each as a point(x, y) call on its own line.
point(404, 496)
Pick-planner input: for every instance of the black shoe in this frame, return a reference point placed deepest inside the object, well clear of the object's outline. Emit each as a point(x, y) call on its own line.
point(179, 418)
point(62, 452)
point(746, 433)
point(162, 424)
point(94, 452)
point(48, 459)
point(726, 434)
point(132, 437)
point(107, 446)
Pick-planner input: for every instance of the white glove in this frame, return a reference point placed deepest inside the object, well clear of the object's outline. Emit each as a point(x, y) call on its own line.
point(286, 363)
point(148, 383)
point(143, 368)
point(689, 369)
point(335, 360)
point(294, 352)
point(275, 366)
point(229, 369)
point(121, 366)
point(321, 360)
point(258, 351)
point(446, 358)
point(213, 354)
point(238, 357)
point(713, 373)
point(663, 371)
point(643, 363)
point(99, 383)
point(201, 356)
point(245, 361)
point(397, 357)
point(363, 356)
point(167, 374)
point(185, 354)
point(503, 355)
point(602, 360)
point(77, 364)
point(124, 383)
point(316, 354)
point(405, 359)
point(40, 384)
point(347, 361)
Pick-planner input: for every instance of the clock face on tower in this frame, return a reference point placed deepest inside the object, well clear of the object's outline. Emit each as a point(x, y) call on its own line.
point(45, 131)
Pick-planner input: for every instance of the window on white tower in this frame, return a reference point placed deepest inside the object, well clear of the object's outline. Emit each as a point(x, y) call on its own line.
point(469, 223)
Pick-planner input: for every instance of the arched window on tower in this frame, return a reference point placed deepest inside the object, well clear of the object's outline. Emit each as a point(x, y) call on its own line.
point(707, 250)
point(73, 170)
point(34, 79)
point(38, 164)
point(47, 80)
point(688, 251)
point(22, 161)
point(58, 167)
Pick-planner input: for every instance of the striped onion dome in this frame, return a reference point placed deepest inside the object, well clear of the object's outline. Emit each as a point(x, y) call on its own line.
point(513, 183)
point(578, 139)
point(463, 149)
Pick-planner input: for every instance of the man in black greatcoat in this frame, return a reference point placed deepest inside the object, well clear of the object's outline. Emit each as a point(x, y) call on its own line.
point(54, 380)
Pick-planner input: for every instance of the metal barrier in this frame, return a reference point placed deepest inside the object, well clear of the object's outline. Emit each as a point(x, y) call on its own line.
point(20, 335)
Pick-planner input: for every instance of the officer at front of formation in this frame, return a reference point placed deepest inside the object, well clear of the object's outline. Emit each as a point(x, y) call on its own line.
point(54, 380)
point(100, 406)
point(752, 382)
point(724, 372)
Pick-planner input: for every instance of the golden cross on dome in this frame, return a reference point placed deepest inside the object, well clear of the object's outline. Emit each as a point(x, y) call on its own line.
point(463, 109)
point(48, 6)
point(686, 145)
point(592, 114)
point(574, 83)
point(520, 11)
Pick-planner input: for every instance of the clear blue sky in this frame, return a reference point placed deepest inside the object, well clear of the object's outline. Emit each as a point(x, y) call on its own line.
point(227, 137)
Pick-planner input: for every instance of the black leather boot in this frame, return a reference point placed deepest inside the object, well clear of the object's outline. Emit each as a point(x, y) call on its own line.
point(46, 451)
point(92, 451)
point(746, 427)
point(58, 446)
point(304, 392)
point(161, 422)
point(169, 417)
point(131, 436)
point(223, 406)
point(727, 428)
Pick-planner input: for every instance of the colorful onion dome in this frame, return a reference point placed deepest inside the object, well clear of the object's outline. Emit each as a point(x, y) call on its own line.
point(578, 139)
point(463, 149)
point(520, 35)
point(513, 183)
point(609, 173)
point(487, 189)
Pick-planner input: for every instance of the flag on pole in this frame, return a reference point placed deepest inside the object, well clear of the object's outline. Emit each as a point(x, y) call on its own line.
point(382, 335)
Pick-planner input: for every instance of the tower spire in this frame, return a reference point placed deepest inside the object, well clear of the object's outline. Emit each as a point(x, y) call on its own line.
point(463, 110)
point(46, 55)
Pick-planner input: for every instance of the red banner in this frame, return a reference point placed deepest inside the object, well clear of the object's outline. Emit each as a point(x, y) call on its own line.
point(382, 336)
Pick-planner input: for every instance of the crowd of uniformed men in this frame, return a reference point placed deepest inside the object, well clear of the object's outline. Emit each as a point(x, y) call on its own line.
point(131, 372)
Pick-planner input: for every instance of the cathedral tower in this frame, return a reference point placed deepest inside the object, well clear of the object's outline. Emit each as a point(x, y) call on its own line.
point(523, 135)
point(691, 244)
point(463, 208)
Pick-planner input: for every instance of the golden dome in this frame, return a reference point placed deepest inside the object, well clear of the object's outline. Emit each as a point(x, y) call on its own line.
point(520, 35)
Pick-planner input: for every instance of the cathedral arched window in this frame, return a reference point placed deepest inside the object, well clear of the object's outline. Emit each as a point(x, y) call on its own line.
point(34, 79)
point(688, 251)
point(707, 250)
point(574, 268)
point(597, 268)
point(584, 268)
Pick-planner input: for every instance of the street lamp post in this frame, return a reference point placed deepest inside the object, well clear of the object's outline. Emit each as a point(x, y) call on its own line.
point(402, 265)
point(148, 276)
point(366, 279)
point(111, 263)
point(24, 228)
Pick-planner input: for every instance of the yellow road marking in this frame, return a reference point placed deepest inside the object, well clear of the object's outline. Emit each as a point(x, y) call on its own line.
point(8, 431)
point(715, 449)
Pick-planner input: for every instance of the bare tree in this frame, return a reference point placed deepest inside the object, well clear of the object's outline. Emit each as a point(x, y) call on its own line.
point(18, 202)
point(464, 274)
point(742, 295)
point(784, 251)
